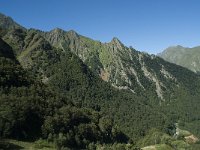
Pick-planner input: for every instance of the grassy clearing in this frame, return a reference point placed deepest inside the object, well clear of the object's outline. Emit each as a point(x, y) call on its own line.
point(8, 144)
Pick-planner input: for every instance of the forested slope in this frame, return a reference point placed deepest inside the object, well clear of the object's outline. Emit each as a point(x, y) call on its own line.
point(65, 85)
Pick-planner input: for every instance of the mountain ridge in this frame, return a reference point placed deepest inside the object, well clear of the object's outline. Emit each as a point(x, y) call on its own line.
point(149, 92)
point(113, 61)
point(183, 56)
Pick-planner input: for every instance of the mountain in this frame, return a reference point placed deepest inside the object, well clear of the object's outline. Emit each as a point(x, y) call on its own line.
point(30, 110)
point(8, 23)
point(165, 85)
point(137, 91)
point(186, 57)
point(66, 73)
point(122, 67)
point(115, 63)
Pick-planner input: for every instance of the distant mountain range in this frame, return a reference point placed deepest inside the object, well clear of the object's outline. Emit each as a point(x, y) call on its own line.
point(183, 56)
point(135, 90)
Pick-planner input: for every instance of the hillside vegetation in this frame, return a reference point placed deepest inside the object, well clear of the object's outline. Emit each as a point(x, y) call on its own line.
point(65, 89)
point(183, 56)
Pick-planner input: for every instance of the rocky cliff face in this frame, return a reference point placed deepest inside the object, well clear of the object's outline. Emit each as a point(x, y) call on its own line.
point(123, 67)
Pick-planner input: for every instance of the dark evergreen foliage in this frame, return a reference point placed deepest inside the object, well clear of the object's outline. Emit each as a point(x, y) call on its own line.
point(30, 110)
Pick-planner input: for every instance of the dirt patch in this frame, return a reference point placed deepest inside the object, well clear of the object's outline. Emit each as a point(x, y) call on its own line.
point(104, 75)
point(191, 139)
point(152, 147)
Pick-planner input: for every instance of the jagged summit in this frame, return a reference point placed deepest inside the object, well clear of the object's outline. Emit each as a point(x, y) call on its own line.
point(5, 17)
point(57, 30)
point(7, 22)
point(72, 34)
point(116, 44)
point(115, 40)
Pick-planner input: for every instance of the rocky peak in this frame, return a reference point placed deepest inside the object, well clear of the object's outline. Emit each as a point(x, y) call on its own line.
point(8, 23)
point(57, 31)
point(72, 34)
point(55, 35)
point(116, 41)
point(116, 45)
point(179, 46)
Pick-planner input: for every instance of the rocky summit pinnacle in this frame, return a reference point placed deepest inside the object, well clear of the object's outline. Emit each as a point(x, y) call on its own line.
point(115, 40)
point(72, 32)
point(117, 45)
point(57, 31)
point(8, 23)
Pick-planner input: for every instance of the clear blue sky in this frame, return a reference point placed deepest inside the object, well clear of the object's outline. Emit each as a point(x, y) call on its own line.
point(147, 25)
